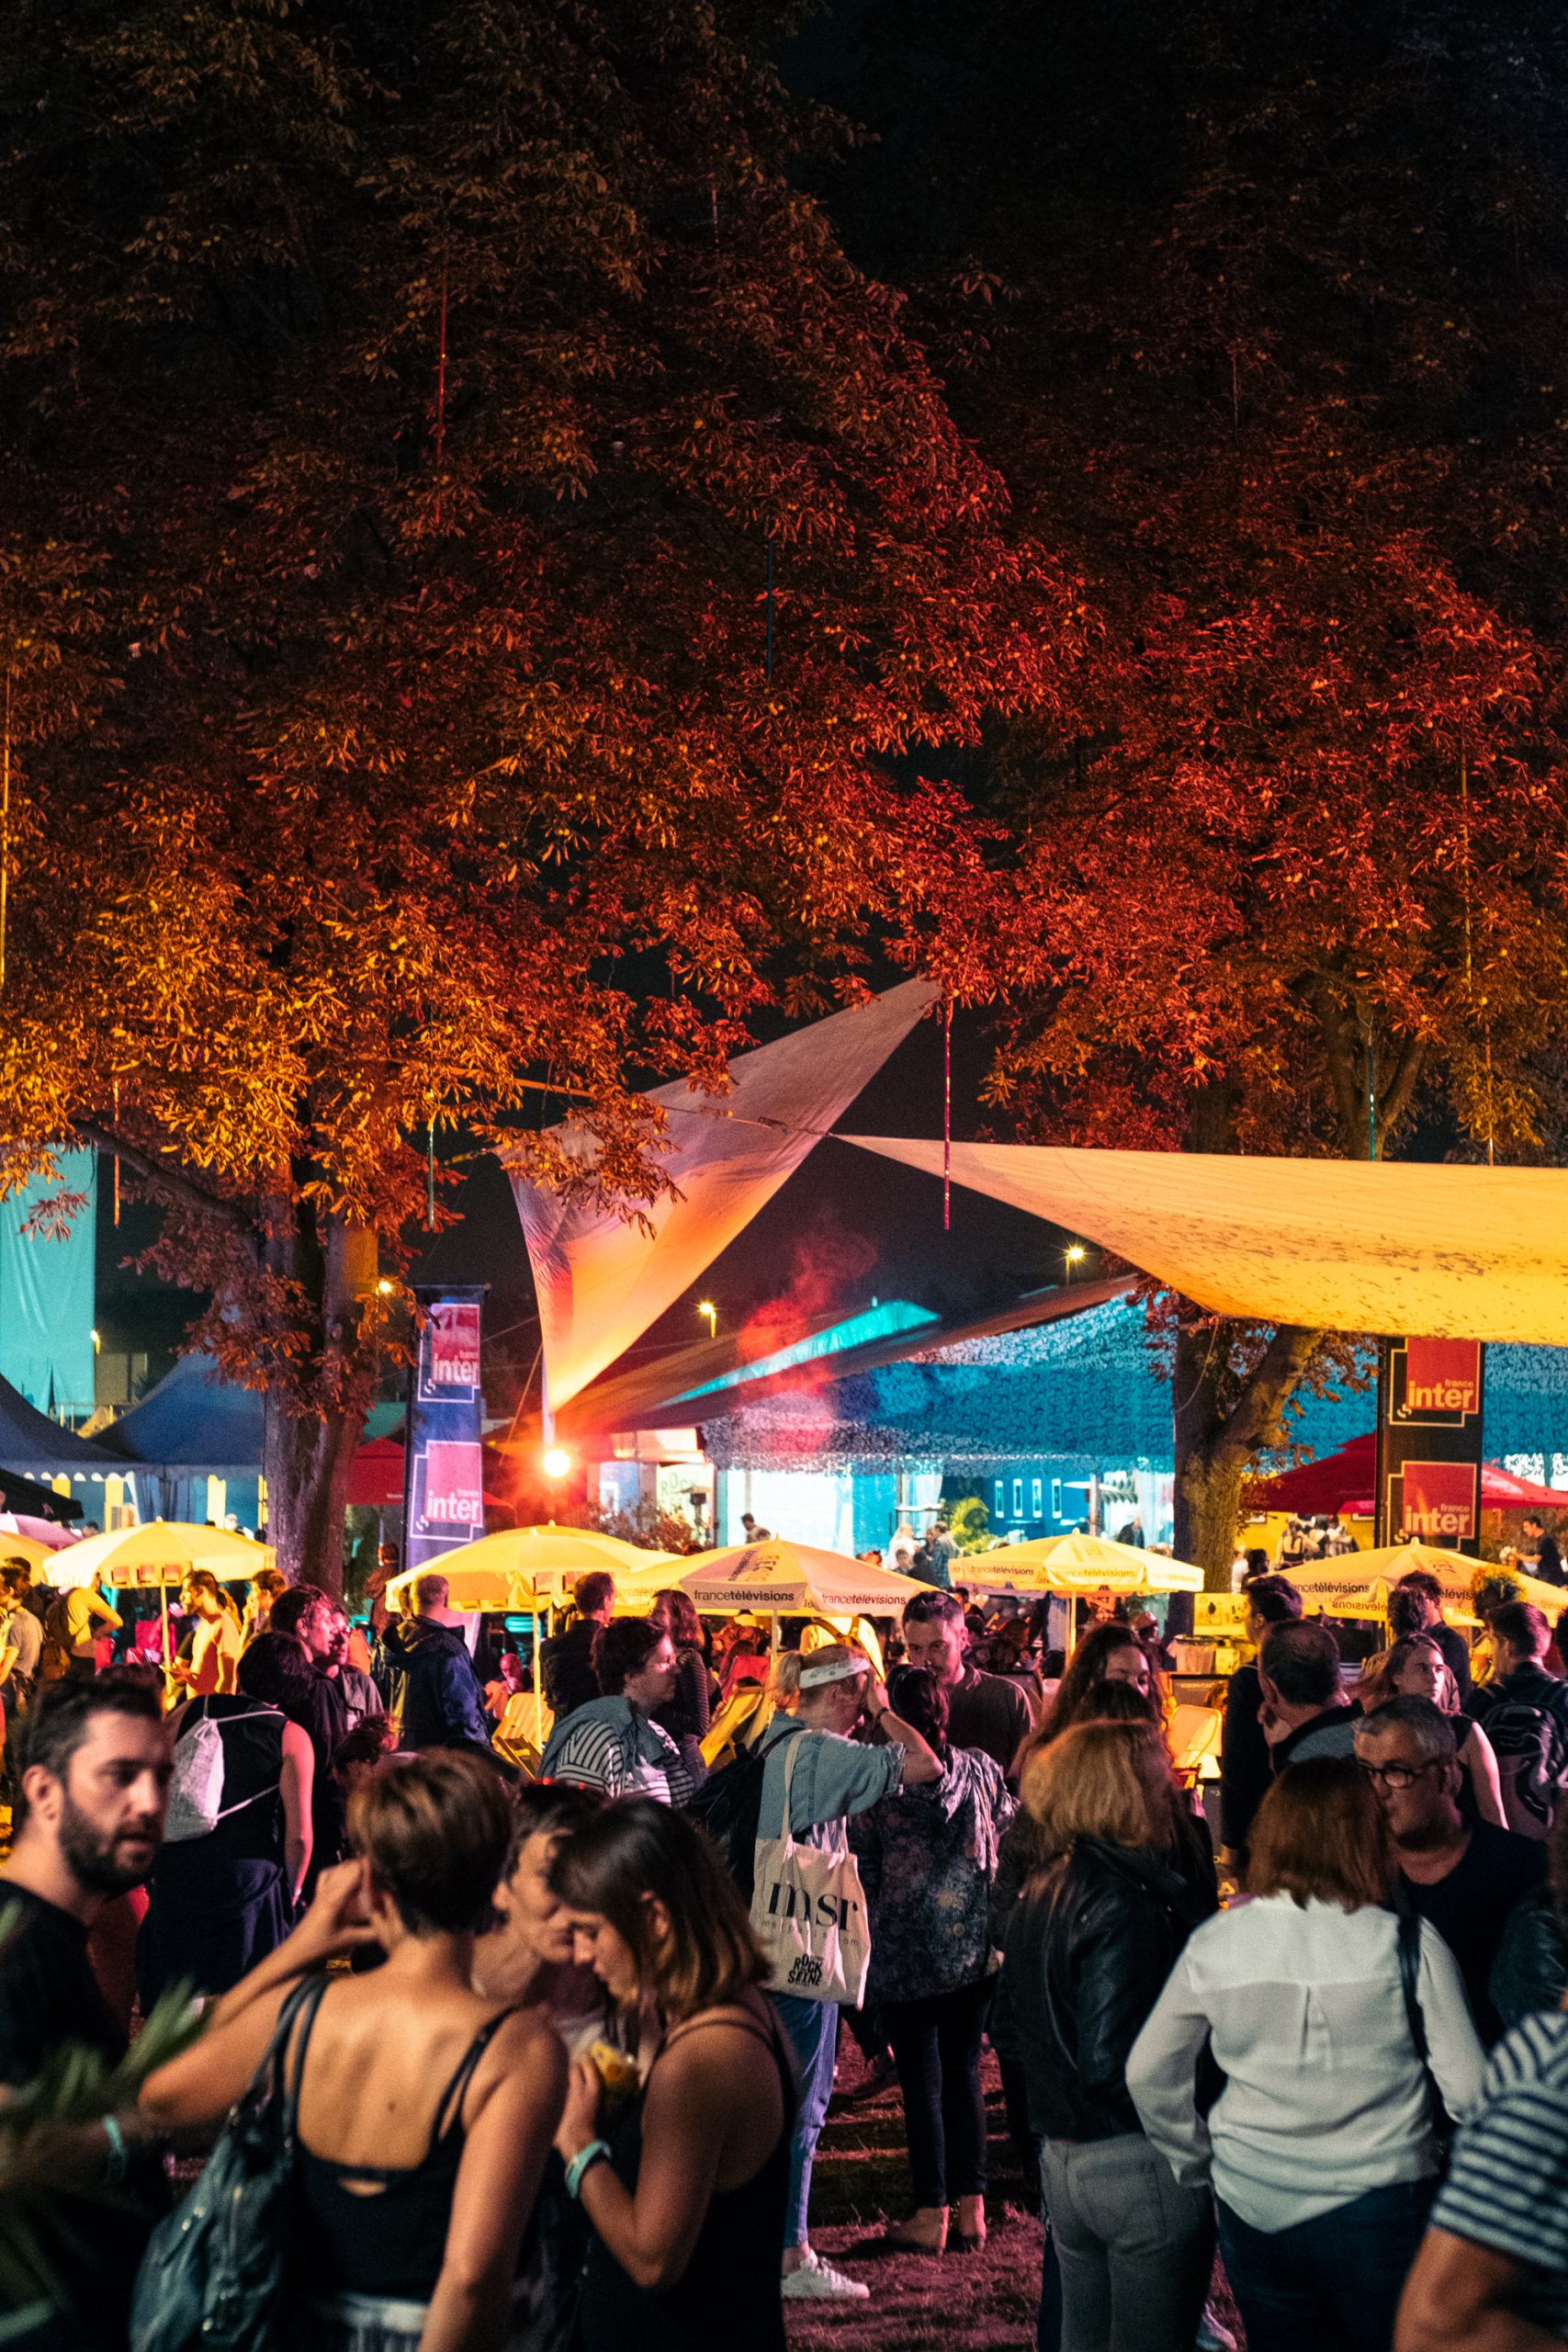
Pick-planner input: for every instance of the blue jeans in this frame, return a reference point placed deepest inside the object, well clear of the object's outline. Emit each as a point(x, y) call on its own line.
point(1336, 2279)
point(1133, 2249)
point(813, 2030)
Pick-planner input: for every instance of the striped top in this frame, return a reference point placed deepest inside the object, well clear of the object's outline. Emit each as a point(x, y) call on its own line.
point(1507, 2185)
point(612, 1745)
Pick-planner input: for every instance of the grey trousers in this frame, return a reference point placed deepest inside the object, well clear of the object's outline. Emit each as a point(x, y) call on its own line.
point(1135, 2249)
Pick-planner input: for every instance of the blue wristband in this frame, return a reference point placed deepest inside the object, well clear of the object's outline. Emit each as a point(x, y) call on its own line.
point(595, 2152)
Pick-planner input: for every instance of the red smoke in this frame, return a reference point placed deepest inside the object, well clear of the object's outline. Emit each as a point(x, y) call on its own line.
point(826, 1265)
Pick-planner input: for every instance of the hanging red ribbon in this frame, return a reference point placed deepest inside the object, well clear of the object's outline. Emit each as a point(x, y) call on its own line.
point(947, 1116)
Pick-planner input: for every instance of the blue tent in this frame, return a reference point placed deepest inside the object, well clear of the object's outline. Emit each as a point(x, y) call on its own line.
point(195, 1419)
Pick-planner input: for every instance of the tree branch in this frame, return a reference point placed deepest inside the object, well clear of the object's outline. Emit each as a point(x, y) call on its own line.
point(176, 1181)
point(1350, 1101)
point(1267, 1387)
point(1395, 1102)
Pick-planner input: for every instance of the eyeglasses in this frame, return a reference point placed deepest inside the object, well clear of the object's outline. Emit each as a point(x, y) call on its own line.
point(1398, 1776)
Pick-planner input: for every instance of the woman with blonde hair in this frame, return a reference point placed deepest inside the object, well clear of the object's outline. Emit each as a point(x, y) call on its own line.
point(831, 1692)
point(1088, 1947)
point(1329, 2017)
point(426, 2109)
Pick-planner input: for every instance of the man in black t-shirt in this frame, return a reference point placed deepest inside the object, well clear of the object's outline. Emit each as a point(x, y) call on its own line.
point(984, 1711)
point(90, 1816)
point(1466, 1880)
point(1541, 1548)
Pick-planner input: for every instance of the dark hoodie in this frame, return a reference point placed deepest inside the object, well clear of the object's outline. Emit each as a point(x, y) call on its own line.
point(444, 1703)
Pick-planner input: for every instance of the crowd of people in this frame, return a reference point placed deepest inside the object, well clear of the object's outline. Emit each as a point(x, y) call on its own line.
point(559, 2051)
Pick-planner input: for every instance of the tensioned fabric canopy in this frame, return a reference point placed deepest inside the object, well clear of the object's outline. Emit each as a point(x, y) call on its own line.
point(1377, 1246)
point(602, 1281)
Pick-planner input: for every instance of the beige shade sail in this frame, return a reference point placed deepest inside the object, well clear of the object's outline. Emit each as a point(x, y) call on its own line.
point(133, 1559)
point(524, 1567)
point(1357, 1584)
point(793, 1579)
point(1338, 1245)
point(1078, 1563)
point(602, 1281)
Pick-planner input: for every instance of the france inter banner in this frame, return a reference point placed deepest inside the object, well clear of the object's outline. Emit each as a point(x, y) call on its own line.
point(444, 1505)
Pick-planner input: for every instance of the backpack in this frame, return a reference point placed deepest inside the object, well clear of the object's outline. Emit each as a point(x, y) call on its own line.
point(726, 1809)
point(195, 1789)
point(54, 1655)
point(1531, 1745)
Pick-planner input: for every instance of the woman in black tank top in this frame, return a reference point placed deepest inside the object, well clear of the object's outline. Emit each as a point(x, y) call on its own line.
point(426, 2109)
point(684, 2182)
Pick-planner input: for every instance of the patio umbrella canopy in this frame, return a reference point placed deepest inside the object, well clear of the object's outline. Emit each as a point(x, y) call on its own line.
point(1358, 1583)
point(143, 1558)
point(524, 1567)
point(1082, 1564)
point(793, 1579)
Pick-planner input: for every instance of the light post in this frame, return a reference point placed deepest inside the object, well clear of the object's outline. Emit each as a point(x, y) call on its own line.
point(707, 1308)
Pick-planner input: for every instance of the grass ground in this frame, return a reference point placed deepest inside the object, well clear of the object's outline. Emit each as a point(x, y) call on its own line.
point(982, 2302)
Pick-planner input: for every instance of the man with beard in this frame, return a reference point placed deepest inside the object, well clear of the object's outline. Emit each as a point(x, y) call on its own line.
point(88, 1823)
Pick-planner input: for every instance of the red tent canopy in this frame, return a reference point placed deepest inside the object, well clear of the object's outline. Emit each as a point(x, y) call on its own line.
point(1347, 1480)
point(376, 1478)
point(376, 1475)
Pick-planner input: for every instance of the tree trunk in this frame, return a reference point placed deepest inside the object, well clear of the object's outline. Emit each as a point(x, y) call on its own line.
point(1219, 1425)
point(308, 1461)
point(1208, 1509)
point(309, 1452)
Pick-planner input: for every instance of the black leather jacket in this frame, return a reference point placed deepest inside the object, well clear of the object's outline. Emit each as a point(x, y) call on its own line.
point(1089, 1950)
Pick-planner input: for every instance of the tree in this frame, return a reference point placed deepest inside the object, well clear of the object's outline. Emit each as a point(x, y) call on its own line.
point(473, 550)
point(1261, 313)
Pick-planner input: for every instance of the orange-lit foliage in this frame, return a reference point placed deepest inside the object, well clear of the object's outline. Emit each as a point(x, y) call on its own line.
point(398, 407)
point(1263, 310)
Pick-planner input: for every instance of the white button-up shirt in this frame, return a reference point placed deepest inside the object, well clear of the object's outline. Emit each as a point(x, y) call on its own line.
point(1324, 2097)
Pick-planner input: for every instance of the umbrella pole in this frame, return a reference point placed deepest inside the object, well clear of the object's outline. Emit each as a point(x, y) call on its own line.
point(538, 1686)
point(164, 1620)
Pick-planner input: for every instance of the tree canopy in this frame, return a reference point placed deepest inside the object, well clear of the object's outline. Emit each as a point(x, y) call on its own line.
point(1262, 314)
point(474, 552)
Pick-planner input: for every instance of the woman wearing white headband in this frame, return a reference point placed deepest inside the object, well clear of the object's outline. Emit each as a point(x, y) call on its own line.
point(834, 1691)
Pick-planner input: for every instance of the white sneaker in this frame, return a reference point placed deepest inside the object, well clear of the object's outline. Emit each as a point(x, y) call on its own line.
point(1213, 2334)
point(819, 2279)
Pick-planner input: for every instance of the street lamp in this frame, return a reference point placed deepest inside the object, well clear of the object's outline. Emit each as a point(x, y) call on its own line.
point(556, 1461)
point(1075, 1254)
point(708, 1307)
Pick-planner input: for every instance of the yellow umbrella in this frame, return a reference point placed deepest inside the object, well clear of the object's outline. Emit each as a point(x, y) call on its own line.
point(793, 1579)
point(1358, 1583)
point(29, 1548)
point(158, 1554)
point(1081, 1564)
point(535, 1563)
point(527, 1569)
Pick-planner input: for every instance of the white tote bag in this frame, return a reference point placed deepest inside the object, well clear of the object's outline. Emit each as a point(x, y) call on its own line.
point(809, 1913)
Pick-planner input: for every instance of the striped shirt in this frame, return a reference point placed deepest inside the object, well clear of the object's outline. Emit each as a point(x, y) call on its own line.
point(611, 1745)
point(1507, 2185)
